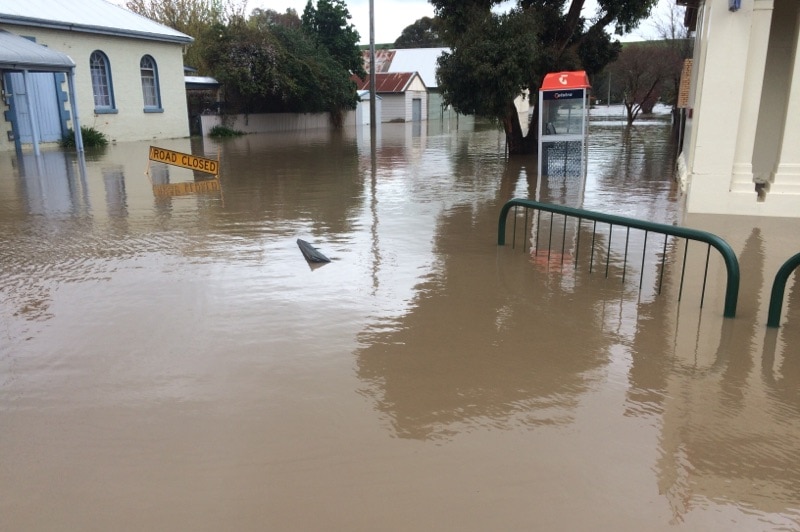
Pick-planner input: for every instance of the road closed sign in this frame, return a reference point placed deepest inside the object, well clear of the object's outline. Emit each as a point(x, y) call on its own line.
point(185, 160)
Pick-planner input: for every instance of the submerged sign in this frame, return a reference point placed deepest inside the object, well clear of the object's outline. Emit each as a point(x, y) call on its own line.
point(185, 160)
point(188, 187)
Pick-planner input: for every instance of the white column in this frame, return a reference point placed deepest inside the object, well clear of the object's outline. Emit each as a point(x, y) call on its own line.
point(742, 176)
point(722, 79)
point(73, 101)
point(787, 173)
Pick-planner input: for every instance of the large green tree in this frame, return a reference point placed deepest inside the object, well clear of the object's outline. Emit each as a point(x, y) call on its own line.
point(269, 64)
point(423, 33)
point(494, 57)
point(328, 24)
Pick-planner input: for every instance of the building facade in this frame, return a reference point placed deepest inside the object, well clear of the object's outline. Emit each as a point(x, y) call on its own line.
point(129, 78)
point(742, 143)
point(404, 97)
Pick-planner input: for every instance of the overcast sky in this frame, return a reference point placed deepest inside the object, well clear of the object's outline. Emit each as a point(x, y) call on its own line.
point(392, 16)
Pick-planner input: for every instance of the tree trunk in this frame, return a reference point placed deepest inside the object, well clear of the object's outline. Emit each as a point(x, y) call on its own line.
point(518, 144)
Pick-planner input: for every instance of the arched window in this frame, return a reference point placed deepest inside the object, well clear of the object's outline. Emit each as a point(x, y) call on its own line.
point(101, 83)
point(150, 92)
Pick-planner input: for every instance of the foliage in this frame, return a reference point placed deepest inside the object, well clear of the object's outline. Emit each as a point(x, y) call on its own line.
point(424, 33)
point(490, 64)
point(270, 64)
point(90, 136)
point(224, 132)
point(191, 17)
point(674, 35)
point(562, 40)
point(642, 69)
point(328, 25)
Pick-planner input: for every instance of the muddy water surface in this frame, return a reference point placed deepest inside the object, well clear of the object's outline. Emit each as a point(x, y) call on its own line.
point(173, 363)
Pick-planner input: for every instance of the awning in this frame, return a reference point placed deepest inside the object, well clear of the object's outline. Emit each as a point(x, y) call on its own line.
point(19, 53)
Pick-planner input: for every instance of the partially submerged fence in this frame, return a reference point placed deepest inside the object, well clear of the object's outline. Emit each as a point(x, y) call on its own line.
point(778, 287)
point(580, 215)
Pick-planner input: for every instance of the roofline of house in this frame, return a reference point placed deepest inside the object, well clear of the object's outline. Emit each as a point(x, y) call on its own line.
point(99, 30)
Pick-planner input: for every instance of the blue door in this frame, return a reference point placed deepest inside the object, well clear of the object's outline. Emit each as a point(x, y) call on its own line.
point(44, 96)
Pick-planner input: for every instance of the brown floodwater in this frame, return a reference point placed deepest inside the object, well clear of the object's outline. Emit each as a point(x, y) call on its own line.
point(173, 362)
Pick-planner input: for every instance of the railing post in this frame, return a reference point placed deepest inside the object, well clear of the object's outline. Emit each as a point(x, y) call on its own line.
point(778, 287)
point(728, 256)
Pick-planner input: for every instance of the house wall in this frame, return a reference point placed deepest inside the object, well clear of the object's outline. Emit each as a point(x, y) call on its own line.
point(745, 101)
point(130, 122)
point(276, 122)
point(394, 108)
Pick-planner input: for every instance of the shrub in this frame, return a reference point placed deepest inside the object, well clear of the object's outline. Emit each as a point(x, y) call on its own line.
point(91, 138)
point(224, 131)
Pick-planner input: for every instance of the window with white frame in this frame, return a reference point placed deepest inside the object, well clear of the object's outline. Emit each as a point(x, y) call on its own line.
point(101, 82)
point(150, 92)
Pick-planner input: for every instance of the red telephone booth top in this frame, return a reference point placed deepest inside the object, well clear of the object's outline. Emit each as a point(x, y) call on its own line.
point(576, 79)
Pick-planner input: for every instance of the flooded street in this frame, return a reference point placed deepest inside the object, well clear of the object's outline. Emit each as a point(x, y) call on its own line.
point(174, 363)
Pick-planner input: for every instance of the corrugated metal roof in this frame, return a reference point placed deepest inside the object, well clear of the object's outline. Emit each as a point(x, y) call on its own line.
point(19, 53)
point(200, 82)
point(420, 60)
point(90, 16)
point(387, 83)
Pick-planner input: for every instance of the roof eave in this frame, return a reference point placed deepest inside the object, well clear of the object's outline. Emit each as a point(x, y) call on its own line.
point(411, 80)
point(98, 30)
point(36, 67)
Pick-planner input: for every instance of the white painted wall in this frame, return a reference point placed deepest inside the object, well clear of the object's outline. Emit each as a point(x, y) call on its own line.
point(275, 122)
point(130, 122)
point(745, 66)
point(395, 108)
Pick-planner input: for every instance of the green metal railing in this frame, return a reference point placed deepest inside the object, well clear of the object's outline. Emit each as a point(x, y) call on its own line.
point(725, 250)
point(778, 287)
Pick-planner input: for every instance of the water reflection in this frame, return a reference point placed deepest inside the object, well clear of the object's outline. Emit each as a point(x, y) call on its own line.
point(159, 344)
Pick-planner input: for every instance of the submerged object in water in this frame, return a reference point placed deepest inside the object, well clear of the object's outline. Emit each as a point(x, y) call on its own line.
point(310, 252)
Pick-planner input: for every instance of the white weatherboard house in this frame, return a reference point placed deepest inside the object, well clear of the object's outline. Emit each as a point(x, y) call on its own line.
point(404, 97)
point(128, 72)
point(742, 147)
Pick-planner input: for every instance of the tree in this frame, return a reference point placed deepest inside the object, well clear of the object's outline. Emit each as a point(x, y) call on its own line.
point(675, 35)
point(424, 33)
point(270, 64)
point(192, 17)
point(645, 71)
point(329, 25)
point(554, 36)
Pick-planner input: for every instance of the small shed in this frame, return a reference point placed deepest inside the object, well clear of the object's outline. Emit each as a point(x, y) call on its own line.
point(404, 96)
point(563, 124)
point(362, 110)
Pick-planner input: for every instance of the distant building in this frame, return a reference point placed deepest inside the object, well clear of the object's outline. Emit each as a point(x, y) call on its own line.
point(424, 62)
point(128, 71)
point(742, 140)
point(404, 97)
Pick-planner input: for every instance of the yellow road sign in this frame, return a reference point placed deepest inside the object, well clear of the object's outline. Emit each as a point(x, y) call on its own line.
point(186, 187)
point(184, 160)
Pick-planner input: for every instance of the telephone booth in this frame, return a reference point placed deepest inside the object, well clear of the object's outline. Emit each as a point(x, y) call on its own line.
point(563, 124)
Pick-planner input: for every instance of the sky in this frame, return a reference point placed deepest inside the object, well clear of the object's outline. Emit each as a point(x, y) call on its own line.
point(392, 16)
